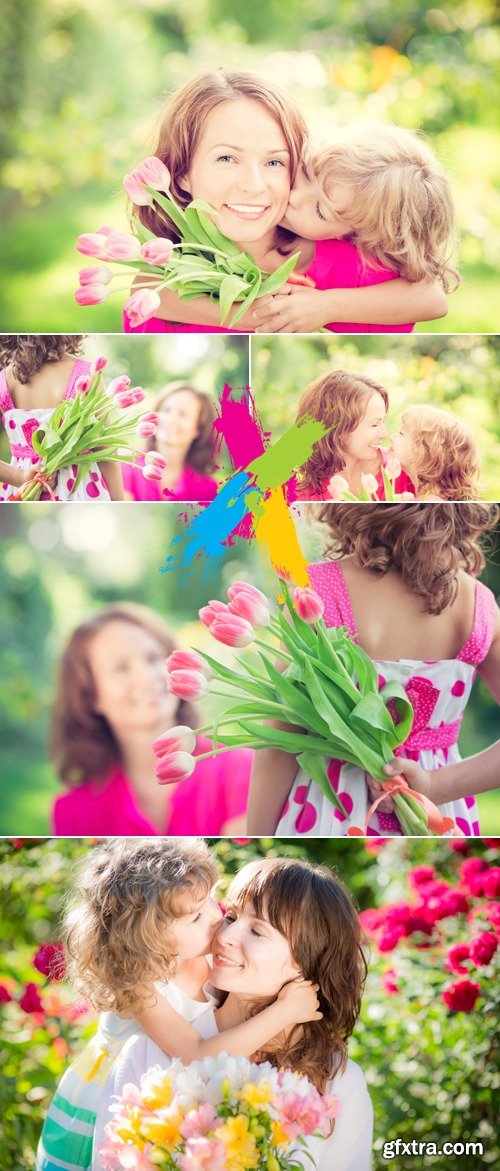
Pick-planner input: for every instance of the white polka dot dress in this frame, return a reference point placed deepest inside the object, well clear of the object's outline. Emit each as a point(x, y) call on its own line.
point(20, 425)
point(438, 691)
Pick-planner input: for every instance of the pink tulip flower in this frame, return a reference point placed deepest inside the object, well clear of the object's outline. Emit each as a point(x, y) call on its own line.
point(308, 604)
point(337, 487)
point(118, 385)
point(157, 251)
point(96, 274)
point(93, 244)
point(369, 484)
point(407, 496)
point(393, 467)
point(154, 457)
point(138, 394)
point(178, 739)
point(232, 630)
point(188, 661)
point(215, 609)
point(141, 306)
point(187, 684)
point(250, 604)
point(150, 416)
point(122, 246)
point(176, 766)
point(136, 192)
point(82, 385)
point(151, 473)
point(153, 172)
point(99, 364)
point(124, 399)
point(146, 428)
point(92, 294)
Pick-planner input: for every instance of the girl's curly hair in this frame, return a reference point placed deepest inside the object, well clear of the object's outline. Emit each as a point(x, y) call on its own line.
point(315, 913)
point(29, 352)
point(428, 544)
point(117, 927)
point(444, 459)
point(338, 399)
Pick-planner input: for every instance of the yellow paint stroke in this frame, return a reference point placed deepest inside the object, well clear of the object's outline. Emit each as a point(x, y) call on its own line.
point(276, 536)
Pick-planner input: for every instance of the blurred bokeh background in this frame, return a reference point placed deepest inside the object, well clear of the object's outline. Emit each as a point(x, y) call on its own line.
point(460, 374)
point(152, 361)
point(81, 85)
point(60, 564)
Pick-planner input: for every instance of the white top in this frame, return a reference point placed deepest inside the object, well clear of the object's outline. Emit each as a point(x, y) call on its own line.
point(347, 1149)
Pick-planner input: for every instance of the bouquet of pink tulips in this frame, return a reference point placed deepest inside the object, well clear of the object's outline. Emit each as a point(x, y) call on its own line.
point(224, 1113)
point(203, 260)
point(339, 489)
point(329, 687)
point(94, 425)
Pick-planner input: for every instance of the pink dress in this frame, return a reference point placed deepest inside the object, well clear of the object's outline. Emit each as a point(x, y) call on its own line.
point(191, 485)
point(438, 691)
point(20, 425)
point(215, 793)
point(337, 264)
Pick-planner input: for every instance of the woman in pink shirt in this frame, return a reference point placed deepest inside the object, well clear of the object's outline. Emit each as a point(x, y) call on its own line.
point(184, 439)
point(235, 140)
point(355, 408)
point(112, 702)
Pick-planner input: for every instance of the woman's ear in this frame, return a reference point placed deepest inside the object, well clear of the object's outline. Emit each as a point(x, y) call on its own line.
point(185, 183)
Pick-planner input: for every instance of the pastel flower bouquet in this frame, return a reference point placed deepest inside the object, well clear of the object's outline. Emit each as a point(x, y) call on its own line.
point(328, 691)
point(339, 489)
point(202, 261)
point(219, 1114)
point(95, 425)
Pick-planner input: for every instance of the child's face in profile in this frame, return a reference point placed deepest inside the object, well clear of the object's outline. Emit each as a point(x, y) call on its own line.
point(315, 212)
point(402, 446)
point(193, 932)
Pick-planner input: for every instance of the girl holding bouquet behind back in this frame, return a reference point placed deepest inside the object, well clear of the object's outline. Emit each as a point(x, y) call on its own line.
point(403, 581)
point(40, 372)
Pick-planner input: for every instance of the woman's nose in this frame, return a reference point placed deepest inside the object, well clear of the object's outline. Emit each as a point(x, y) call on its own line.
point(230, 931)
point(251, 178)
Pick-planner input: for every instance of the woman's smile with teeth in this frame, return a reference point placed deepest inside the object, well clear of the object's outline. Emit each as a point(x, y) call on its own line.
point(222, 960)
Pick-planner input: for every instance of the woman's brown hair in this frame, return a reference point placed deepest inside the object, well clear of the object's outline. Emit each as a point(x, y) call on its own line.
point(183, 120)
point(83, 746)
point(339, 400)
point(128, 893)
point(428, 544)
point(28, 352)
point(199, 455)
point(316, 915)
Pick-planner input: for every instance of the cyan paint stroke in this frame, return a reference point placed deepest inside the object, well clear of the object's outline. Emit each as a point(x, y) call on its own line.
point(245, 492)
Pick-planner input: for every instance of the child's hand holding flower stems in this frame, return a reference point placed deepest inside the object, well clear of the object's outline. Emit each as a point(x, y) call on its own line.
point(338, 487)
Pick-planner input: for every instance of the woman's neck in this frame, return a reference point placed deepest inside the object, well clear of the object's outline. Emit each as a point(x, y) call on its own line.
point(138, 761)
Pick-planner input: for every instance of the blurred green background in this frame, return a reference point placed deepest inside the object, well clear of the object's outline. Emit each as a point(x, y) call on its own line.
point(60, 564)
point(458, 373)
point(152, 361)
point(81, 86)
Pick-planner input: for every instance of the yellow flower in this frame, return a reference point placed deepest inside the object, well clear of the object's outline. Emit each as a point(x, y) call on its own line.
point(163, 1129)
point(157, 1096)
point(278, 1136)
point(242, 1151)
point(256, 1095)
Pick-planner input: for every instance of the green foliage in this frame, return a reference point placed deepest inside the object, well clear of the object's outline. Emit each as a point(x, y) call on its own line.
point(431, 1072)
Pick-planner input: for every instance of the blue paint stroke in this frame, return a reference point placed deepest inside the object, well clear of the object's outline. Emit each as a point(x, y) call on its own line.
point(206, 534)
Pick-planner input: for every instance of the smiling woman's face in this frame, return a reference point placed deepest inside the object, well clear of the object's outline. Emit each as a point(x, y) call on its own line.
point(364, 442)
point(242, 168)
point(250, 957)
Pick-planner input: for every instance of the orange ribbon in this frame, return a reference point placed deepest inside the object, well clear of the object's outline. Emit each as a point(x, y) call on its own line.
point(435, 820)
